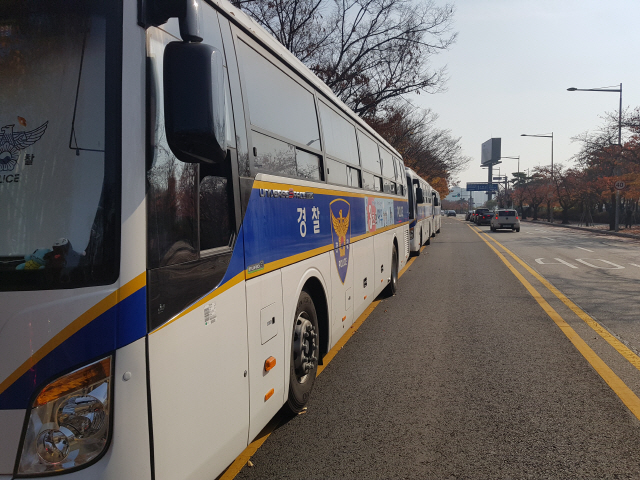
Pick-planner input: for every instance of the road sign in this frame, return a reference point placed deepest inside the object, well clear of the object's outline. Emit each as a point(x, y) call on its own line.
point(482, 187)
point(620, 185)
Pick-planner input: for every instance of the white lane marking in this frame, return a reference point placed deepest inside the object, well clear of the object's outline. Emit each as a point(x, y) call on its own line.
point(585, 249)
point(549, 238)
point(635, 265)
point(614, 267)
point(560, 262)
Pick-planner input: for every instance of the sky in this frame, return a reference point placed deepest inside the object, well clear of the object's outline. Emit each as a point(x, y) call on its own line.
point(512, 64)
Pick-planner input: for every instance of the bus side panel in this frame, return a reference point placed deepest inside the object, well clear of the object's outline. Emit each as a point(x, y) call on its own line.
point(364, 278)
point(341, 295)
point(199, 391)
point(266, 339)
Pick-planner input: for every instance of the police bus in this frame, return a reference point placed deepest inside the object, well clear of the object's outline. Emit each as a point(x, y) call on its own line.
point(424, 211)
point(190, 221)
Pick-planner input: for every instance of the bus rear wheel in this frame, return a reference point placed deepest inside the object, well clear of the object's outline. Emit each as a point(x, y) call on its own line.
point(392, 287)
point(304, 353)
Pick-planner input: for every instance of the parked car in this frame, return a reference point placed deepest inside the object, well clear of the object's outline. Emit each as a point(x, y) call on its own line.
point(505, 218)
point(482, 216)
point(451, 213)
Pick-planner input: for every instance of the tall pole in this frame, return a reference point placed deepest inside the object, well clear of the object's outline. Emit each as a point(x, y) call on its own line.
point(548, 199)
point(617, 224)
point(610, 89)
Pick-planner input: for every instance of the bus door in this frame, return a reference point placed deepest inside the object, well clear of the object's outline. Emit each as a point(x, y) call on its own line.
point(197, 345)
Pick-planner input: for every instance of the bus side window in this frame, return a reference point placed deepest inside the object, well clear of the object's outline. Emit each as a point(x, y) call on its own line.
point(369, 154)
point(308, 165)
point(339, 136)
point(277, 103)
point(274, 156)
point(368, 181)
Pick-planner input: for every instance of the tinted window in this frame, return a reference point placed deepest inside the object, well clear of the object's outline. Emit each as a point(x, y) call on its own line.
point(215, 213)
point(308, 165)
point(399, 169)
point(339, 136)
point(171, 209)
point(388, 169)
point(369, 153)
point(276, 102)
point(342, 174)
point(273, 155)
point(368, 181)
point(388, 186)
point(507, 213)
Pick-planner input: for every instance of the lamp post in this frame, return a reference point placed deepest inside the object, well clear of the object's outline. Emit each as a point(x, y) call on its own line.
point(546, 135)
point(610, 90)
point(506, 182)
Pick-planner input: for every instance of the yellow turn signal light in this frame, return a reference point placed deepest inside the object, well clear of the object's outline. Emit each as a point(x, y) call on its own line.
point(269, 363)
point(74, 381)
point(268, 395)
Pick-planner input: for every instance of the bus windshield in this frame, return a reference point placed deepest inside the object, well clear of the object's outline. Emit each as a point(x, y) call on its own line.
point(58, 188)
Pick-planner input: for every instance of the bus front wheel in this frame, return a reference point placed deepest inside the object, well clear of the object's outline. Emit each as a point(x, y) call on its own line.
point(304, 353)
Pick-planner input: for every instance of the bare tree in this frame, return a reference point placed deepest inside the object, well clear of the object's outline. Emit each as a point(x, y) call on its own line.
point(367, 51)
point(433, 153)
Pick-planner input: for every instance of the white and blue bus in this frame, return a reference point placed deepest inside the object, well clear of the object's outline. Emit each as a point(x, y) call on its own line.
point(424, 211)
point(190, 221)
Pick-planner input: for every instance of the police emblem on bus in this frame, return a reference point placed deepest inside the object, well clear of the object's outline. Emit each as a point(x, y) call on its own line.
point(341, 234)
point(11, 143)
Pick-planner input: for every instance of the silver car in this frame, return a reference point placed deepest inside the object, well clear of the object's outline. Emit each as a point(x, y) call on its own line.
point(505, 218)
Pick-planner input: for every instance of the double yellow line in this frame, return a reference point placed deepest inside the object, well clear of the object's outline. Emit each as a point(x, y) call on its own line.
point(238, 464)
point(625, 394)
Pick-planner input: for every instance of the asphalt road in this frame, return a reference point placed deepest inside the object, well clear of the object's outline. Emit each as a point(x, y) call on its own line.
point(599, 273)
point(462, 374)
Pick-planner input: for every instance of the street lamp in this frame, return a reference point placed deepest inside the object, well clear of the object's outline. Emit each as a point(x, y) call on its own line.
point(610, 90)
point(546, 135)
point(514, 158)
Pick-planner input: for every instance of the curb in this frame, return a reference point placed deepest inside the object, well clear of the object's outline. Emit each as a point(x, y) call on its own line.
point(584, 229)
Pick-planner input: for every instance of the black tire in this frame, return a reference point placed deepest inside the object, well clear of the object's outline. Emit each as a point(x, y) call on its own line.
point(517, 229)
point(428, 242)
point(392, 287)
point(305, 351)
point(417, 254)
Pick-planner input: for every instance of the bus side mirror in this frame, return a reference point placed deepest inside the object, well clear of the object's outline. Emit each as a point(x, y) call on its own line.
point(435, 201)
point(419, 195)
point(194, 102)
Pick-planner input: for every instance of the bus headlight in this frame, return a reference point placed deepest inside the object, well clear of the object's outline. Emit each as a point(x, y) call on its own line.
point(68, 421)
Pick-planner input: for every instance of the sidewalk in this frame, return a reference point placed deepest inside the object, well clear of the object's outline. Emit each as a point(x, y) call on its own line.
point(599, 228)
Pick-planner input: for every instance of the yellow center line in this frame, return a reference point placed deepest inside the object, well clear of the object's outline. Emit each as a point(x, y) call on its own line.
point(238, 464)
point(620, 347)
point(625, 394)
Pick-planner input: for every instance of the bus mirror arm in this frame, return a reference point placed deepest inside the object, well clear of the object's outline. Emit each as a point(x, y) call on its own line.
point(190, 22)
